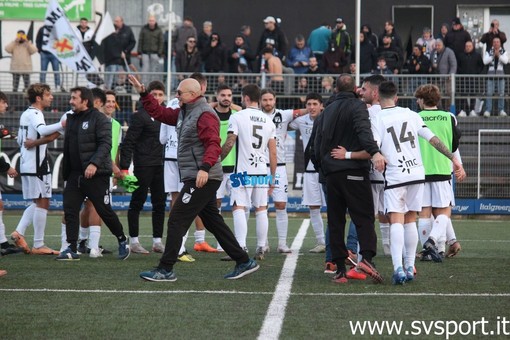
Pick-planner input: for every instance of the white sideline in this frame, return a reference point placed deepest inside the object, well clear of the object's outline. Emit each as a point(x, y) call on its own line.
point(233, 292)
point(272, 326)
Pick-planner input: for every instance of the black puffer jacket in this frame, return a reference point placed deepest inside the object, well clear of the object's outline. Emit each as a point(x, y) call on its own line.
point(94, 133)
point(142, 141)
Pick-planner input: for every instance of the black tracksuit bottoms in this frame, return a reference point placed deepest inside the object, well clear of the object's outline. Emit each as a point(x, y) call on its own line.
point(350, 189)
point(193, 201)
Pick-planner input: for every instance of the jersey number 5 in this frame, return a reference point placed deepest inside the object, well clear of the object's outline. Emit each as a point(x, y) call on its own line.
point(258, 143)
point(404, 136)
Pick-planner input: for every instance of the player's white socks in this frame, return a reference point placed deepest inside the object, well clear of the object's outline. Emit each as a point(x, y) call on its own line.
point(199, 236)
point(183, 245)
point(410, 242)
point(84, 233)
point(63, 238)
point(94, 235)
point(240, 226)
point(385, 233)
point(424, 228)
point(317, 225)
point(39, 226)
point(262, 226)
point(26, 219)
point(2, 228)
point(450, 233)
point(133, 240)
point(247, 213)
point(282, 226)
point(397, 244)
point(156, 240)
point(438, 228)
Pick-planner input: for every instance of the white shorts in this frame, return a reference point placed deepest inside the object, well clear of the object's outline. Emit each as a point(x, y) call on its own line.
point(248, 196)
point(312, 190)
point(280, 191)
point(438, 194)
point(378, 195)
point(34, 188)
point(225, 187)
point(172, 177)
point(403, 199)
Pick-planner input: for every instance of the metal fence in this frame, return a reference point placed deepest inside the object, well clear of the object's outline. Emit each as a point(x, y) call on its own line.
point(484, 153)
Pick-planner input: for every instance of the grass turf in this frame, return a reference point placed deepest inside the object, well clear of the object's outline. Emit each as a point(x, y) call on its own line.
point(105, 298)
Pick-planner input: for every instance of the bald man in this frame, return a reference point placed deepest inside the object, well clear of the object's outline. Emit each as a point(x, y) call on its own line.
point(198, 155)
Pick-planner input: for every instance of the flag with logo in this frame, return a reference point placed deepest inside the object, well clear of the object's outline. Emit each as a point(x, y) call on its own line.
point(60, 39)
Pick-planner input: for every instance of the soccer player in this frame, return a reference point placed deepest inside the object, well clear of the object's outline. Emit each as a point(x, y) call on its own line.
point(438, 194)
point(6, 248)
point(313, 196)
point(281, 119)
point(396, 129)
point(254, 133)
point(35, 170)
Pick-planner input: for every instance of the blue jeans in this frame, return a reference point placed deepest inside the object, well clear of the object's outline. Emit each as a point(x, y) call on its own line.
point(111, 70)
point(491, 84)
point(46, 59)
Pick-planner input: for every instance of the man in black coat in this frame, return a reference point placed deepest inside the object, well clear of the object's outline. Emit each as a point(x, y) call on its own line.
point(470, 62)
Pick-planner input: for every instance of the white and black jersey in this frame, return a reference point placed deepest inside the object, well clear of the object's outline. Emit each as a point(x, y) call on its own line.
point(253, 129)
point(281, 120)
point(396, 130)
point(33, 161)
point(305, 125)
point(376, 177)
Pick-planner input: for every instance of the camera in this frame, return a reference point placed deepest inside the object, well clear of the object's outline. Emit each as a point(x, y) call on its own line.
point(492, 24)
point(21, 36)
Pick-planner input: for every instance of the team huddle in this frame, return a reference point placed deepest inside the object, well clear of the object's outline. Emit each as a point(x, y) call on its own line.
point(366, 157)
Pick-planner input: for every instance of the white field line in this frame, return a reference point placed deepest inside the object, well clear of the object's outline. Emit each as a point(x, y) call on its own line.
point(237, 292)
point(272, 326)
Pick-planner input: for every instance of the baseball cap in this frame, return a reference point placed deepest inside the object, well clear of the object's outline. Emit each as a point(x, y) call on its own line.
point(339, 20)
point(269, 19)
point(456, 21)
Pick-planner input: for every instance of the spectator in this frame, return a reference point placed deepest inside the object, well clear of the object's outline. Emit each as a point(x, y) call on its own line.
point(214, 55)
point(141, 144)
point(150, 48)
point(276, 37)
point(372, 37)
point(274, 68)
point(389, 30)
point(470, 62)
point(181, 34)
point(204, 37)
point(240, 54)
point(367, 55)
point(327, 85)
point(496, 58)
point(391, 53)
point(188, 59)
point(342, 40)
point(443, 59)
point(352, 68)
point(493, 32)
point(382, 67)
point(299, 55)
point(46, 59)
point(457, 37)
point(418, 63)
point(85, 34)
point(443, 31)
point(427, 42)
point(319, 40)
point(21, 60)
point(314, 82)
point(302, 85)
point(334, 60)
point(245, 31)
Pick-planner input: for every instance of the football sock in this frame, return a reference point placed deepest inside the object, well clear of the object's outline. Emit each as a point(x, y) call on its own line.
point(385, 232)
point(450, 233)
point(26, 219)
point(2, 228)
point(438, 228)
point(134, 240)
point(262, 226)
point(282, 225)
point(424, 228)
point(411, 242)
point(84, 234)
point(318, 225)
point(39, 226)
point(94, 235)
point(199, 236)
point(240, 226)
point(396, 244)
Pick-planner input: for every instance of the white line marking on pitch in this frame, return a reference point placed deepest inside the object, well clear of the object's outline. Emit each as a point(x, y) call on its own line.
point(233, 292)
point(272, 326)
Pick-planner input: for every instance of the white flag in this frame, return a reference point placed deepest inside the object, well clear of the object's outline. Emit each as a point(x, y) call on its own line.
point(60, 39)
point(105, 29)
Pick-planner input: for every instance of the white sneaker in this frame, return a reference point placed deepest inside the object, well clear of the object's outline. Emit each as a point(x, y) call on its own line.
point(320, 248)
point(158, 247)
point(462, 113)
point(502, 113)
point(486, 114)
point(95, 253)
point(283, 249)
point(472, 113)
point(138, 249)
